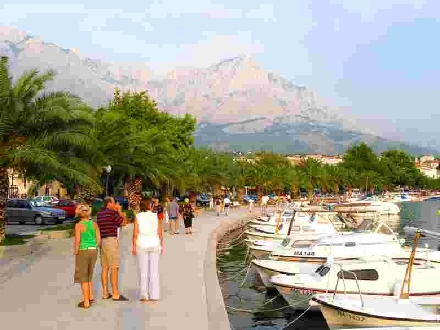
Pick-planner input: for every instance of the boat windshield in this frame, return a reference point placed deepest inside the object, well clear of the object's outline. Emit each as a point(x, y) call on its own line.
point(375, 227)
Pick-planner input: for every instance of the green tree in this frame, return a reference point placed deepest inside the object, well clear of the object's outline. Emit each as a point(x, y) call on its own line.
point(142, 144)
point(42, 133)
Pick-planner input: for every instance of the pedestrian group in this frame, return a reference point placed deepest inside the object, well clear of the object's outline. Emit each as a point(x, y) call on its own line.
point(147, 245)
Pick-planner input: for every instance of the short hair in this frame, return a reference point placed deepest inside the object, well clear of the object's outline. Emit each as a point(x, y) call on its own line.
point(108, 200)
point(145, 205)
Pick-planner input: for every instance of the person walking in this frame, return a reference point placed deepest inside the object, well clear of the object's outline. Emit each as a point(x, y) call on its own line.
point(87, 240)
point(227, 203)
point(159, 210)
point(188, 216)
point(147, 244)
point(173, 214)
point(109, 219)
point(251, 205)
point(211, 203)
point(218, 205)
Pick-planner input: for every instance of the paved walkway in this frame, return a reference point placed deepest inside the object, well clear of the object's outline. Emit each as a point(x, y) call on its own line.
point(42, 295)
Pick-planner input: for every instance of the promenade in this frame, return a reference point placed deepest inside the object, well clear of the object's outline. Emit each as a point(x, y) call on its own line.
point(42, 295)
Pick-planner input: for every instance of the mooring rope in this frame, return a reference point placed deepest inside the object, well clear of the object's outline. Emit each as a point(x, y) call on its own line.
point(247, 273)
point(232, 240)
point(302, 314)
point(272, 310)
point(235, 275)
point(229, 246)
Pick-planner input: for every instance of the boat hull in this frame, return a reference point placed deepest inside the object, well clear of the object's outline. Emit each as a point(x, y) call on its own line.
point(297, 299)
point(340, 318)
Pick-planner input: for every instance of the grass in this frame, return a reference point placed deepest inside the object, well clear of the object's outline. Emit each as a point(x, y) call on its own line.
point(13, 239)
point(67, 226)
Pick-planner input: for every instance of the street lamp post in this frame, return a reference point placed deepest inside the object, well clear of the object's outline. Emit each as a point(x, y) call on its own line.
point(108, 169)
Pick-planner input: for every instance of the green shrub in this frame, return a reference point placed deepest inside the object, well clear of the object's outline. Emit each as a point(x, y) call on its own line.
point(14, 239)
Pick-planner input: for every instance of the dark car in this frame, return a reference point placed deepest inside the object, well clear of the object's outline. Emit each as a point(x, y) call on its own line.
point(22, 211)
point(202, 200)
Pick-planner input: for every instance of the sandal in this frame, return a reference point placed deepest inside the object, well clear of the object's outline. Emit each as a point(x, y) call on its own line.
point(121, 298)
point(108, 297)
point(81, 305)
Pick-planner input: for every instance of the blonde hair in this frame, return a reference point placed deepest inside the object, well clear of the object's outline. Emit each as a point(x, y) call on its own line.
point(79, 209)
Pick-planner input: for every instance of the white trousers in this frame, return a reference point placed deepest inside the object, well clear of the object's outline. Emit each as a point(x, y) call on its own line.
point(149, 273)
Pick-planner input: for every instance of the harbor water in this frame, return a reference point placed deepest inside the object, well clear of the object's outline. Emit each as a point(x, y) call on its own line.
point(251, 306)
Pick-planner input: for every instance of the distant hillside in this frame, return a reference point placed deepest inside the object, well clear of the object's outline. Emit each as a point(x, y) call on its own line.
point(238, 104)
point(290, 139)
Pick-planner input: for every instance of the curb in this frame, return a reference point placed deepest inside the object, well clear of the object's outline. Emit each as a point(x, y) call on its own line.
point(22, 250)
point(217, 316)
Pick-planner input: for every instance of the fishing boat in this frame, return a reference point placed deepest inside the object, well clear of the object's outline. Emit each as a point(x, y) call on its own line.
point(402, 309)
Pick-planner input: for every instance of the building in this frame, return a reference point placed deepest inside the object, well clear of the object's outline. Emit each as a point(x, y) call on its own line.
point(323, 159)
point(429, 166)
point(19, 187)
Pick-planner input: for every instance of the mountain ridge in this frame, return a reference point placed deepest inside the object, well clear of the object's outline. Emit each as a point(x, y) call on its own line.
point(236, 92)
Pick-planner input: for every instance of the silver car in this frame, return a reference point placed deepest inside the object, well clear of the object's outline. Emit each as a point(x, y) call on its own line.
point(22, 211)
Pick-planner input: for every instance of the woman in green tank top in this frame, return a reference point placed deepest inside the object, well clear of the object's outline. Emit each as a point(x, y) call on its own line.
point(87, 239)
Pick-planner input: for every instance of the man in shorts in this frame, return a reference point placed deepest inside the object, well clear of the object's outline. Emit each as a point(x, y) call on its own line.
point(109, 219)
point(173, 214)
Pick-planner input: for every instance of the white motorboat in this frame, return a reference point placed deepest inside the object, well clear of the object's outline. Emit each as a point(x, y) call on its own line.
point(375, 276)
point(369, 238)
point(317, 225)
point(368, 204)
point(403, 309)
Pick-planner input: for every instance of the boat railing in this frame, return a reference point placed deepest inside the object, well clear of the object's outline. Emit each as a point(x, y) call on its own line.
point(345, 288)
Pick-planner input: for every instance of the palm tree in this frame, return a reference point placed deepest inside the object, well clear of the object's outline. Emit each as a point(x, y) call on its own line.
point(42, 133)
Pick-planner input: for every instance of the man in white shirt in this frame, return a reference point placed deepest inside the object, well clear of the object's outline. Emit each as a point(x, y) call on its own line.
point(227, 204)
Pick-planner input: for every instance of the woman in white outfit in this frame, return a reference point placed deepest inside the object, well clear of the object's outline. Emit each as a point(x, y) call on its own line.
point(148, 246)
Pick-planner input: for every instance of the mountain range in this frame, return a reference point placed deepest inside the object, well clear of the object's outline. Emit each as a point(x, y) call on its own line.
point(238, 105)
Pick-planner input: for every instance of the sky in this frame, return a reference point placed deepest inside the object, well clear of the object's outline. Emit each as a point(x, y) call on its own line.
point(378, 59)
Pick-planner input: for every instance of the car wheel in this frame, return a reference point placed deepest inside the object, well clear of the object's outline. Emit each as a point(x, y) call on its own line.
point(59, 222)
point(39, 220)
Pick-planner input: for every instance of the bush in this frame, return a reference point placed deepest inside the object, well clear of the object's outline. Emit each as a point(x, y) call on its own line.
point(13, 239)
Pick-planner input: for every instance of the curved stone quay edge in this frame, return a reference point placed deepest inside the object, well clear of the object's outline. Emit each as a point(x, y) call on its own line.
point(217, 316)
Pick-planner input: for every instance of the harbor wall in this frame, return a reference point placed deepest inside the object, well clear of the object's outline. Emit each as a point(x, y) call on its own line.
point(217, 315)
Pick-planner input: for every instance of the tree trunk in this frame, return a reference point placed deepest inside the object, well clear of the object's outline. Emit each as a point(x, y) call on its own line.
point(4, 190)
point(240, 192)
point(164, 192)
point(217, 190)
point(192, 197)
point(259, 193)
point(134, 194)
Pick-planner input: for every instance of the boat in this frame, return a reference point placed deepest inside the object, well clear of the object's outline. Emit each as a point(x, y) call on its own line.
point(370, 238)
point(279, 217)
point(367, 205)
point(399, 310)
point(316, 226)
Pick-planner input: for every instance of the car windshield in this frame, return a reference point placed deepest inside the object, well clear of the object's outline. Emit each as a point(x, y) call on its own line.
point(32, 203)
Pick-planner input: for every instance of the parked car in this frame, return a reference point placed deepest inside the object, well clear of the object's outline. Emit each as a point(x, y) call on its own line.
point(67, 206)
point(202, 200)
point(22, 211)
point(45, 200)
point(246, 198)
point(122, 201)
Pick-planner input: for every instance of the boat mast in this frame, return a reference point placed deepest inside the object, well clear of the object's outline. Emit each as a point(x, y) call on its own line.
point(407, 278)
